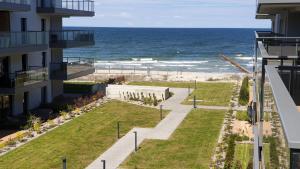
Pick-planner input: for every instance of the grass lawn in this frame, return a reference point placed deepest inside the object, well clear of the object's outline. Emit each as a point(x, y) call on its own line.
point(82, 140)
point(243, 154)
point(191, 146)
point(242, 116)
point(208, 93)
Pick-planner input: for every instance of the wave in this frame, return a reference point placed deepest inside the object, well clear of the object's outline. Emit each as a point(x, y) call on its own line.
point(244, 58)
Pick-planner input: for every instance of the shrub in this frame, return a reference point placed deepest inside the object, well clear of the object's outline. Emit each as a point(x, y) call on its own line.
point(242, 116)
point(20, 136)
point(37, 126)
point(230, 152)
point(155, 102)
point(274, 160)
point(244, 92)
point(64, 115)
point(2, 145)
point(11, 142)
point(238, 165)
point(51, 123)
point(250, 165)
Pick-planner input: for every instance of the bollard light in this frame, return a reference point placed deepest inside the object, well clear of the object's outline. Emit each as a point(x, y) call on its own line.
point(195, 106)
point(118, 129)
point(64, 163)
point(103, 164)
point(135, 141)
point(161, 112)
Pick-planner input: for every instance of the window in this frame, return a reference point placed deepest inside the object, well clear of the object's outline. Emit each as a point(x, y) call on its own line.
point(43, 25)
point(23, 24)
point(44, 57)
point(5, 106)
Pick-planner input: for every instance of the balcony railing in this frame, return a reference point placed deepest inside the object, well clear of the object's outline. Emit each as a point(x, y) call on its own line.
point(278, 45)
point(71, 38)
point(20, 2)
point(72, 67)
point(277, 90)
point(15, 5)
point(18, 40)
point(66, 6)
point(24, 78)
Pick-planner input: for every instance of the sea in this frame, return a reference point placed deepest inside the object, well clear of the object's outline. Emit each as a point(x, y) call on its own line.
point(169, 49)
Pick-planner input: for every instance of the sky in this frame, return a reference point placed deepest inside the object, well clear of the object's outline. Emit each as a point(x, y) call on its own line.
point(172, 14)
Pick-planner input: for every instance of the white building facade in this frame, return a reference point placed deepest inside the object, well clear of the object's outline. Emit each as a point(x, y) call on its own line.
point(32, 39)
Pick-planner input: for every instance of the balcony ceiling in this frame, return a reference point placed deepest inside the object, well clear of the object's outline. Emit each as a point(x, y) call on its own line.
point(264, 16)
point(277, 6)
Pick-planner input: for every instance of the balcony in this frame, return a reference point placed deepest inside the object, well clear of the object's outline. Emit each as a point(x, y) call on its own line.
point(22, 42)
point(15, 5)
point(277, 91)
point(66, 8)
point(278, 46)
point(23, 80)
point(72, 68)
point(71, 38)
point(277, 6)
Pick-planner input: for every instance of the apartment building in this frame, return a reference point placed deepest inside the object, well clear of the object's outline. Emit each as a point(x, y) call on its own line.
point(32, 40)
point(277, 86)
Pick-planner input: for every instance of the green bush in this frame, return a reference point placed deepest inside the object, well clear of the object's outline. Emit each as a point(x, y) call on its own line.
point(244, 92)
point(238, 165)
point(274, 160)
point(229, 160)
point(242, 116)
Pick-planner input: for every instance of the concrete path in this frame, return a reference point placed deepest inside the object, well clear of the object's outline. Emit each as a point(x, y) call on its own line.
point(116, 154)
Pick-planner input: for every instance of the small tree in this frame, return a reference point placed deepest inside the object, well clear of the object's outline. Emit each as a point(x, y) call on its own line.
point(244, 92)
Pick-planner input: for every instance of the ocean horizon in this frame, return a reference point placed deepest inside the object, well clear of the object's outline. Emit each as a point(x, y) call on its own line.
point(169, 49)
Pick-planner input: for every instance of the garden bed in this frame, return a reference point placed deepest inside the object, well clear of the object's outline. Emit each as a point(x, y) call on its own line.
point(81, 140)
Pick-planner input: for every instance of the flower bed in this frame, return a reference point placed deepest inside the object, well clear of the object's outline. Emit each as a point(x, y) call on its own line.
point(36, 128)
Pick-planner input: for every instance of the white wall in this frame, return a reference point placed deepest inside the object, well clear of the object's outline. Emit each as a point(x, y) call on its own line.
point(34, 98)
point(120, 91)
point(33, 19)
point(34, 58)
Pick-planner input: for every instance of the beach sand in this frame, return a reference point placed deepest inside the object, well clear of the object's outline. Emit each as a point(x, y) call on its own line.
point(140, 75)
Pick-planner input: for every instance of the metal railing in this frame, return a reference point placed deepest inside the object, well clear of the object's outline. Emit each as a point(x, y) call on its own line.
point(71, 65)
point(33, 75)
point(277, 91)
point(278, 45)
point(21, 2)
point(23, 39)
point(72, 35)
point(79, 5)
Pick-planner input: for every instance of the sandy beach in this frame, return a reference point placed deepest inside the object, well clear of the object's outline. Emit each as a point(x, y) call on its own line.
point(140, 75)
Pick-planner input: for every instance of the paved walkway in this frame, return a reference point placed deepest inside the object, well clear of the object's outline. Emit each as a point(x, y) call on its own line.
point(116, 154)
